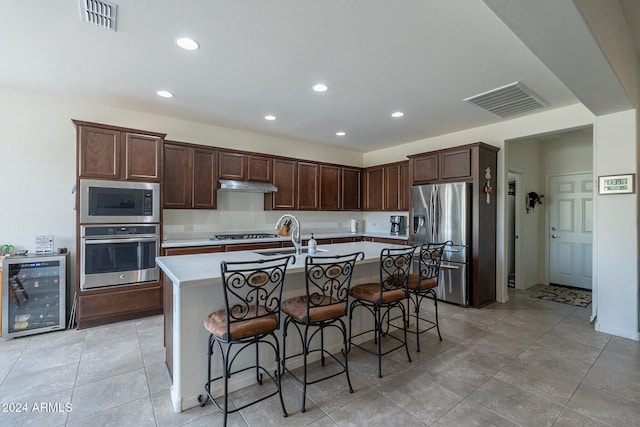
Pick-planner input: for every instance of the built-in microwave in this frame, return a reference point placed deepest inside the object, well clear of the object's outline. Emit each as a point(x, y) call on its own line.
point(107, 202)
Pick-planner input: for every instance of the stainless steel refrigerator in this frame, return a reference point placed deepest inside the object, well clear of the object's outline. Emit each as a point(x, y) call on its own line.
point(441, 213)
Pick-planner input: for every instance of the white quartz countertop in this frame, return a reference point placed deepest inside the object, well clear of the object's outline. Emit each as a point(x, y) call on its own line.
point(202, 269)
point(185, 242)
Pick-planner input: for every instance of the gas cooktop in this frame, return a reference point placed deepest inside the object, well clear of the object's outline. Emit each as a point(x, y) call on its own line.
point(244, 236)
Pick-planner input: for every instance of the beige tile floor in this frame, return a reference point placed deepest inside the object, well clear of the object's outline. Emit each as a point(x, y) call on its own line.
point(527, 362)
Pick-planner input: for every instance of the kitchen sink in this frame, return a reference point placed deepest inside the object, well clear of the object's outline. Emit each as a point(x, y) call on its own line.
point(288, 251)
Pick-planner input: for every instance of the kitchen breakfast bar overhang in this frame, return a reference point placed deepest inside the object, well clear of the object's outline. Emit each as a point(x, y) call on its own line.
point(197, 291)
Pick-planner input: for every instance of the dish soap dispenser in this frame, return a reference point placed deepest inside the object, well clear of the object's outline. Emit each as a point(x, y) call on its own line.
point(312, 245)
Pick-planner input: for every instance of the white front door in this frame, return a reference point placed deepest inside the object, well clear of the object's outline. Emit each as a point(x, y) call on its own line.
point(571, 230)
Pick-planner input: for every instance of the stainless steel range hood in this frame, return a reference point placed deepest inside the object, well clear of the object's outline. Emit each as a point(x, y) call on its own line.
point(248, 186)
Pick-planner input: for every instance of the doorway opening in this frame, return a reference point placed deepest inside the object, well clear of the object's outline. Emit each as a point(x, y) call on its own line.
point(530, 164)
point(514, 190)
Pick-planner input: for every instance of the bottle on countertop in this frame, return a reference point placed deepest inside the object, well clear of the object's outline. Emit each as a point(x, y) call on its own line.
point(312, 245)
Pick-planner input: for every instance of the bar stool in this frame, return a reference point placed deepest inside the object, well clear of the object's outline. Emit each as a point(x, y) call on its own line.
point(423, 285)
point(389, 293)
point(327, 282)
point(252, 296)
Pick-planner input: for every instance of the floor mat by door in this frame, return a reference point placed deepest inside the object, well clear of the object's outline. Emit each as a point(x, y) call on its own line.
point(571, 296)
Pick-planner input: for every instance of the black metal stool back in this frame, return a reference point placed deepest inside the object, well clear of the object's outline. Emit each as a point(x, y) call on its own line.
point(430, 260)
point(423, 284)
point(252, 295)
point(395, 265)
point(328, 280)
point(388, 294)
point(327, 283)
point(252, 292)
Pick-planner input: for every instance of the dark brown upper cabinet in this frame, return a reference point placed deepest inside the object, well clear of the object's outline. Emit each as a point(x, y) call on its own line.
point(285, 174)
point(190, 177)
point(425, 168)
point(330, 188)
point(178, 172)
point(386, 187)
point(308, 186)
point(351, 193)
point(443, 165)
point(205, 179)
point(107, 152)
point(374, 189)
point(405, 187)
point(392, 187)
point(259, 168)
point(232, 166)
point(245, 167)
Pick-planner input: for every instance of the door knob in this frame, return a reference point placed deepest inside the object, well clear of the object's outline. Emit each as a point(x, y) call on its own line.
point(554, 236)
point(553, 229)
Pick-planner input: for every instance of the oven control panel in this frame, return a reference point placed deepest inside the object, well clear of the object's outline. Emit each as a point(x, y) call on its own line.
point(119, 230)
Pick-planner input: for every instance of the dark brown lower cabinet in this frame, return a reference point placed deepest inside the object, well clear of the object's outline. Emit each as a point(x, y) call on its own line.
point(110, 305)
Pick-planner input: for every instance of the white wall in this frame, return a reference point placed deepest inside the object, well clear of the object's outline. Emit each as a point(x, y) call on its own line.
point(616, 143)
point(570, 154)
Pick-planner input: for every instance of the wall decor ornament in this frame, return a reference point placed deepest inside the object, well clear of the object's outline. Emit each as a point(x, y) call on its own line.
point(533, 199)
point(488, 189)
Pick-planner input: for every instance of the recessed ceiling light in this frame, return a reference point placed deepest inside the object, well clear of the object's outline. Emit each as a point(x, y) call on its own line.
point(320, 87)
point(397, 114)
point(341, 133)
point(165, 94)
point(269, 117)
point(187, 43)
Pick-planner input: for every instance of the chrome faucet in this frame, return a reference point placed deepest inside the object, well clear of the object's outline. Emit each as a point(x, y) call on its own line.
point(295, 231)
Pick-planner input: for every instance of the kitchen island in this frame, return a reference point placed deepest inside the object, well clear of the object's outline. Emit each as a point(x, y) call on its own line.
point(197, 291)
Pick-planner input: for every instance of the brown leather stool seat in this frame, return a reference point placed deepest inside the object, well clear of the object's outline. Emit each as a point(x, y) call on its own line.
point(416, 284)
point(216, 324)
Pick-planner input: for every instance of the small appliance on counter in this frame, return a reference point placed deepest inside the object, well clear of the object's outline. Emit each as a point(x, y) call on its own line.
point(398, 225)
point(354, 225)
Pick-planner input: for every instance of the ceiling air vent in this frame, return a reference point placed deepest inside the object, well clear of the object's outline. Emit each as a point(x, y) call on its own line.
point(99, 12)
point(509, 100)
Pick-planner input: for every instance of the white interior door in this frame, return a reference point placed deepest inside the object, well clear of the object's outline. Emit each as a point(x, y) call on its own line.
point(571, 230)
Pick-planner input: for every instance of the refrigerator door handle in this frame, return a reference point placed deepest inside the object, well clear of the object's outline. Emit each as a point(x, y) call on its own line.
point(450, 267)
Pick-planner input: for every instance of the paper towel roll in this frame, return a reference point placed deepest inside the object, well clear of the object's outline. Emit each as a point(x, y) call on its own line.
point(354, 225)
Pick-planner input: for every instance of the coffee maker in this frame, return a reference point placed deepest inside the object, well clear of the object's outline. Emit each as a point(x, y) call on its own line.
point(398, 224)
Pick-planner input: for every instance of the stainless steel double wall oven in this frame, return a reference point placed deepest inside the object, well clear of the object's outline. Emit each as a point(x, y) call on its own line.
point(119, 232)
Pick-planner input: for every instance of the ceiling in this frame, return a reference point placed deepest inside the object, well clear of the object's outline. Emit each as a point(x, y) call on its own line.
point(258, 57)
